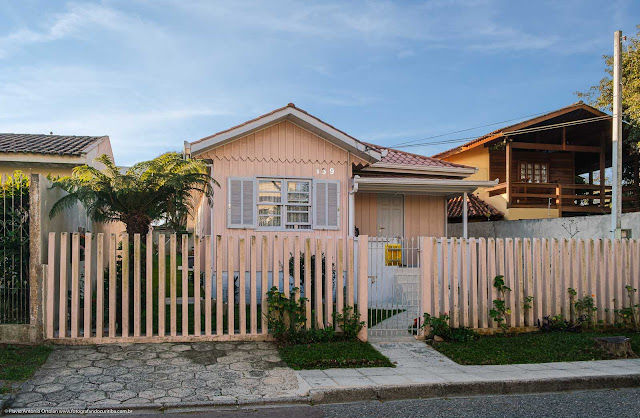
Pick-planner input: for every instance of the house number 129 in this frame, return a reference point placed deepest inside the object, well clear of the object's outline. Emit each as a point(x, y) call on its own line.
point(324, 170)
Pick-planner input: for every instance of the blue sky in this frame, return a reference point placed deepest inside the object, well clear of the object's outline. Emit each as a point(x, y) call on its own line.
point(152, 74)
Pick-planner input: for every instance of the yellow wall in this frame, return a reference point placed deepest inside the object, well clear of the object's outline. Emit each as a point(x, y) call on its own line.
point(479, 157)
point(8, 169)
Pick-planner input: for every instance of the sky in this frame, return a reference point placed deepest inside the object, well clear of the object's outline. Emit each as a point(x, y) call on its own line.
point(153, 74)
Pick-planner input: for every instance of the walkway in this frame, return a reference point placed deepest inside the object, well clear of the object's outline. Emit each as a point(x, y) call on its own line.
point(416, 362)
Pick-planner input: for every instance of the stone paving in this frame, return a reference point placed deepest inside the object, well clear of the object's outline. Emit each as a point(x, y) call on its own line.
point(417, 362)
point(159, 375)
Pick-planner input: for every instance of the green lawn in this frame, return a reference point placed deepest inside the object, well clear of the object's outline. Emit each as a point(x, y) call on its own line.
point(18, 363)
point(345, 354)
point(538, 347)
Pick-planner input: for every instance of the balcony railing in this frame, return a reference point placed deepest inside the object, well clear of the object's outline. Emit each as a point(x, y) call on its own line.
point(588, 198)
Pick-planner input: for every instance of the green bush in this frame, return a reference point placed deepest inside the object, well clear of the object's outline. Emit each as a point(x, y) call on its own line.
point(440, 326)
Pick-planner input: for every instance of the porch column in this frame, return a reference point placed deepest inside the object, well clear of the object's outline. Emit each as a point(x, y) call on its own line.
point(508, 171)
point(465, 232)
point(352, 214)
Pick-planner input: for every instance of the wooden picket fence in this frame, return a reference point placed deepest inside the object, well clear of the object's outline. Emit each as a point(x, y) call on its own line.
point(89, 298)
point(458, 277)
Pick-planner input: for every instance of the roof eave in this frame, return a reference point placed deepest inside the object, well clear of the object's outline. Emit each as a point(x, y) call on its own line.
point(423, 170)
point(441, 187)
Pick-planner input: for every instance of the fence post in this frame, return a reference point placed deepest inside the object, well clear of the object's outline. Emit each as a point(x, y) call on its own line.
point(36, 279)
point(425, 279)
point(363, 276)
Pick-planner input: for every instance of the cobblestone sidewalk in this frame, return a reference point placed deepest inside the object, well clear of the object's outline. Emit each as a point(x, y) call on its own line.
point(159, 375)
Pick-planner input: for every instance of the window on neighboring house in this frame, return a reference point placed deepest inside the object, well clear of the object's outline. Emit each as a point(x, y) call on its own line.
point(534, 172)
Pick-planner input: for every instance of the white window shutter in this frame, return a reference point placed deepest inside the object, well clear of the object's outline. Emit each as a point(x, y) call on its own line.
point(326, 206)
point(241, 204)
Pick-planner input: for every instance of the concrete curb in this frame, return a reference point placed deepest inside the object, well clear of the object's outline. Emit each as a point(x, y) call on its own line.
point(441, 390)
point(398, 392)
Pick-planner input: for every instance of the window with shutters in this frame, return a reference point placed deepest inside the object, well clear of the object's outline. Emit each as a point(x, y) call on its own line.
point(326, 205)
point(284, 204)
point(241, 206)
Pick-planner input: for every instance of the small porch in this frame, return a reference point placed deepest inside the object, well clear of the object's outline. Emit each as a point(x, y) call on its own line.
point(405, 207)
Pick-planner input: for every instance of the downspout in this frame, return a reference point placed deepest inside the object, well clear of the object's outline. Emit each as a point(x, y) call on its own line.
point(352, 206)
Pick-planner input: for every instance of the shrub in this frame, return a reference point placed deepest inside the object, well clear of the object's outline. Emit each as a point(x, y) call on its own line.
point(440, 326)
point(500, 309)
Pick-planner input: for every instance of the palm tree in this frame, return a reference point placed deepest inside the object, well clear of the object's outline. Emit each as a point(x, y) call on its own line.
point(158, 189)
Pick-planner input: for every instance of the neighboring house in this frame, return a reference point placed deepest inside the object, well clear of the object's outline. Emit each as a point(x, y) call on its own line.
point(288, 172)
point(478, 210)
point(548, 171)
point(50, 154)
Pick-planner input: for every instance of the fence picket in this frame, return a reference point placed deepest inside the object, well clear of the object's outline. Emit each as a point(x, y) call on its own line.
point(318, 284)
point(149, 287)
point(125, 285)
point(454, 292)
point(307, 281)
point(510, 280)
point(51, 287)
point(537, 279)
point(88, 294)
point(208, 285)
point(518, 292)
point(425, 278)
point(482, 283)
point(253, 301)
point(618, 279)
point(75, 284)
point(242, 287)
point(435, 270)
point(231, 286)
point(610, 288)
point(264, 285)
point(286, 281)
point(62, 314)
point(446, 288)
point(99, 285)
point(328, 284)
point(296, 266)
point(363, 279)
point(491, 273)
point(185, 285)
point(219, 314)
point(112, 285)
point(173, 286)
point(197, 301)
point(136, 285)
point(340, 277)
point(464, 284)
point(350, 270)
point(547, 291)
point(162, 280)
point(565, 281)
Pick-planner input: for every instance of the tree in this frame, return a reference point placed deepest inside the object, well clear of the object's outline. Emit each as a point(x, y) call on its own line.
point(158, 189)
point(601, 96)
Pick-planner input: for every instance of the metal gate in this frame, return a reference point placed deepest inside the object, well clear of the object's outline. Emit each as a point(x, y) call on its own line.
point(394, 287)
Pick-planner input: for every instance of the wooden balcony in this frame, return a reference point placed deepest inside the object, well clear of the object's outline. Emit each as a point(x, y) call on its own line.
point(574, 198)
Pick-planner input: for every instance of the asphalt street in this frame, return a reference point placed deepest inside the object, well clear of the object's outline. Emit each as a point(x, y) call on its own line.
point(599, 403)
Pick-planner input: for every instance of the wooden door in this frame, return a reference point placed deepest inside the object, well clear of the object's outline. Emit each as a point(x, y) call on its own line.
point(390, 215)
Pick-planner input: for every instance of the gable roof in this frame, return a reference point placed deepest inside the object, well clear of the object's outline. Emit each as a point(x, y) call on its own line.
point(476, 209)
point(47, 144)
point(299, 117)
point(378, 156)
point(520, 125)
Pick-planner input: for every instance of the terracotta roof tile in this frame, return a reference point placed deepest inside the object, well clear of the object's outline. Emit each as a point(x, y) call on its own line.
point(46, 144)
point(477, 209)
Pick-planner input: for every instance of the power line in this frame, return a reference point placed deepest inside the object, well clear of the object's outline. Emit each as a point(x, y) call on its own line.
point(470, 129)
point(516, 132)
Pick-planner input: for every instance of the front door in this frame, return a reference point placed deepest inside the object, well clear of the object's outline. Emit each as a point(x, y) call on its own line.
point(390, 215)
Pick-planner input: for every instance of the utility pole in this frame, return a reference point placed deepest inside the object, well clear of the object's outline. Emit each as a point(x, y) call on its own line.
point(616, 138)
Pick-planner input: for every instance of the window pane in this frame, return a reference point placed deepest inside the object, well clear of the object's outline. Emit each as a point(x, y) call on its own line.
point(298, 186)
point(297, 218)
point(269, 215)
point(270, 191)
point(523, 172)
point(543, 176)
point(298, 197)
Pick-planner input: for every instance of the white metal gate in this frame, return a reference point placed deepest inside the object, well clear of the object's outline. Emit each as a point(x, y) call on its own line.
point(394, 286)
